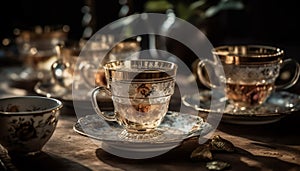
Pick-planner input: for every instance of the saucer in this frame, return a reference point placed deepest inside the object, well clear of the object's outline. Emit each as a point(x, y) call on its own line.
point(175, 128)
point(56, 91)
point(277, 106)
point(24, 75)
point(81, 98)
point(50, 89)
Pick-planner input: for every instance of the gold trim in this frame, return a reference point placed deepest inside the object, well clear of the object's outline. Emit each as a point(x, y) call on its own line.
point(248, 54)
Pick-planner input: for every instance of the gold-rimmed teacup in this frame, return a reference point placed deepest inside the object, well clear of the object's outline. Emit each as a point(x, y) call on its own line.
point(250, 73)
point(141, 91)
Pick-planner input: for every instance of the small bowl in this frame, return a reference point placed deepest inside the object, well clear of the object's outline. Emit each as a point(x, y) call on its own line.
point(27, 123)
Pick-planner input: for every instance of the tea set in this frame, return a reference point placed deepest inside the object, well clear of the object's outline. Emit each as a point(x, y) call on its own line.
point(242, 79)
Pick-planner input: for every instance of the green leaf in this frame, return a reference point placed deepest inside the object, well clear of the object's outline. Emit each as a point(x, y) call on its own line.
point(182, 11)
point(158, 5)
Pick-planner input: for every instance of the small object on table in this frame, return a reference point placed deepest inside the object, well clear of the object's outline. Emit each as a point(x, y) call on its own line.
point(202, 152)
point(220, 144)
point(217, 165)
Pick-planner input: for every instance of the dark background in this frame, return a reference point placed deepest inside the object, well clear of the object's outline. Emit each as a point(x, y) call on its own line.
point(270, 22)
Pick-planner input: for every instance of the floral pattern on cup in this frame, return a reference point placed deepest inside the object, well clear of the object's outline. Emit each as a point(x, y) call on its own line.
point(27, 123)
point(141, 91)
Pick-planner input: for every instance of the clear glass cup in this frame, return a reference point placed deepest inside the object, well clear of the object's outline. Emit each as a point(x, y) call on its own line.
point(141, 91)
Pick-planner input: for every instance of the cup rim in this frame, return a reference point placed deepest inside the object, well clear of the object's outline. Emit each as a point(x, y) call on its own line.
point(58, 105)
point(108, 65)
point(237, 54)
point(140, 75)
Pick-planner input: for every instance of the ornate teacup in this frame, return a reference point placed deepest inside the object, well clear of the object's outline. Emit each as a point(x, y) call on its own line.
point(141, 91)
point(250, 73)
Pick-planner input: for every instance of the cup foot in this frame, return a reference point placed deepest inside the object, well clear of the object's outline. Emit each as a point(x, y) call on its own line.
point(140, 136)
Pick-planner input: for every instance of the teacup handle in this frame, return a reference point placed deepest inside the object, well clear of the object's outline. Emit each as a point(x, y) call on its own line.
point(202, 78)
point(84, 69)
point(295, 78)
point(95, 92)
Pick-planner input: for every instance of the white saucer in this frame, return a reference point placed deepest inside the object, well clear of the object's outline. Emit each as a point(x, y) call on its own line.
point(277, 106)
point(176, 127)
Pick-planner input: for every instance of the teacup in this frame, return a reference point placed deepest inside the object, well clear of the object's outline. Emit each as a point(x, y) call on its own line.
point(250, 72)
point(90, 70)
point(141, 91)
point(27, 123)
point(125, 50)
point(93, 74)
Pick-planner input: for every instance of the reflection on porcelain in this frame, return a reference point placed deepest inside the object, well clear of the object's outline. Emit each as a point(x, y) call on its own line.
point(278, 105)
point(175, 126)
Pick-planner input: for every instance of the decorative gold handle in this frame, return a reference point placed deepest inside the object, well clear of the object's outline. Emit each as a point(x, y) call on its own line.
point(295, 78)
point(95, 92)
point(204, 80)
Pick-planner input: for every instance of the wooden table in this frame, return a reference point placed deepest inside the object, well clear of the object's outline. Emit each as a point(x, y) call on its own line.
point(273, 146)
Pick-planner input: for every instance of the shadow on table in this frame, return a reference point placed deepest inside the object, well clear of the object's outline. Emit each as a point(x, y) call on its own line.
point(284, 132)
point(243, 160)
point(179, 159)
point(176, 159)
point(46, 162)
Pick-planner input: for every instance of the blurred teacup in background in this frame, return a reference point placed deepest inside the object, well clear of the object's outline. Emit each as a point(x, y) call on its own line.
point(125, 50)
point(95, 55)
point(93, 72)
point(93, 75)
point(141, 91)
point(250, 72)
point(37, 50)
point(27, 123)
